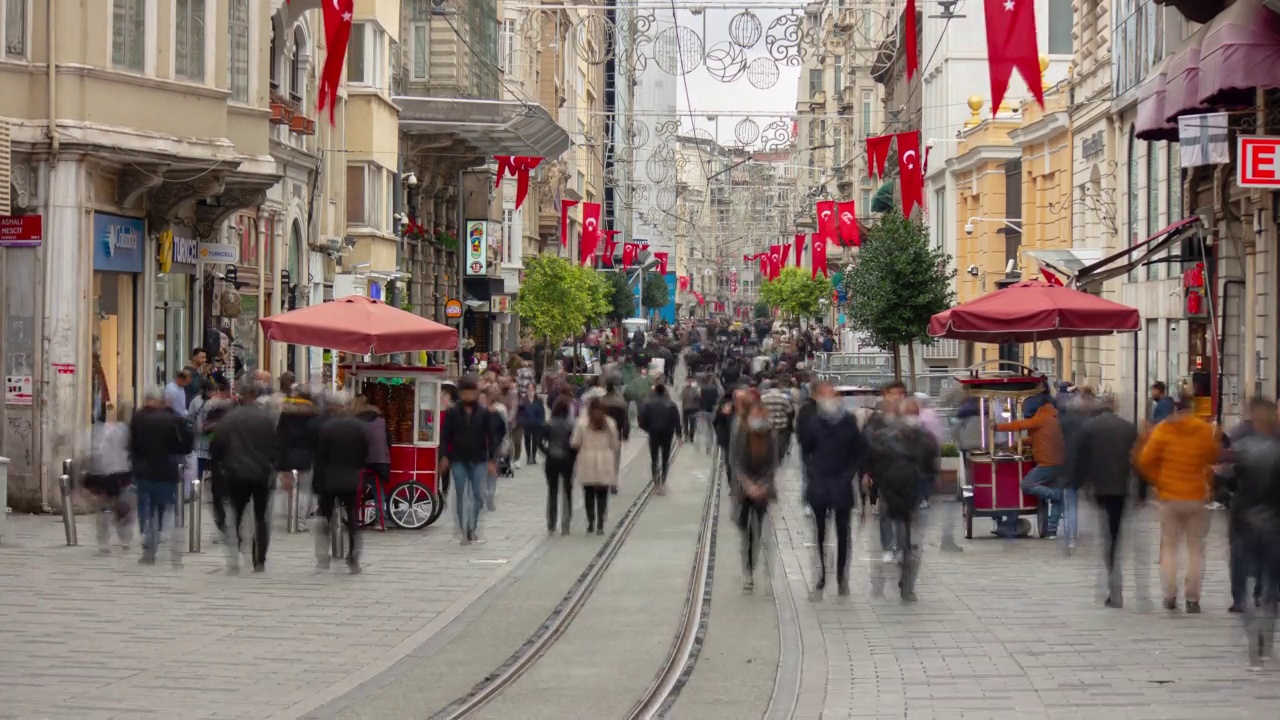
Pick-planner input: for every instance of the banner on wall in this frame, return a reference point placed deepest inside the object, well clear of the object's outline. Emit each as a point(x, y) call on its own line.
point(477, 239)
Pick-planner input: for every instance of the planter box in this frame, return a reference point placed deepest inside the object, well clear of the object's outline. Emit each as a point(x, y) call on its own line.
point(281, 114)
point(302, 125)
point(948, 477)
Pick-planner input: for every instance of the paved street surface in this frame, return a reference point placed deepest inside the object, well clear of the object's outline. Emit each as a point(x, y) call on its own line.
point(103, 637)
point(1011, 629)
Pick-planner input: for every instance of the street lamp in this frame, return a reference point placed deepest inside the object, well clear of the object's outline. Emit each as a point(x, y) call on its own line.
point(1009, 222)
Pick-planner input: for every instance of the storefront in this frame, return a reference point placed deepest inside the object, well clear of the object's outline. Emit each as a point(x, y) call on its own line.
point(174, 312)
point(119, 258)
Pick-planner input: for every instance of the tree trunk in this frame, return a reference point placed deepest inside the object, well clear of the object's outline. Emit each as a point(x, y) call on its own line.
point(897, 363)
point(911, 363)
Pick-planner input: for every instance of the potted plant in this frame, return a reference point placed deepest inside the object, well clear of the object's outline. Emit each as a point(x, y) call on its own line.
point(949, 469)
point(446, 239)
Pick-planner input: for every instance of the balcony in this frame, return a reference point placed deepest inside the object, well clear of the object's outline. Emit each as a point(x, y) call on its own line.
point(818, 99)
point(846, 20)
point(844, 100)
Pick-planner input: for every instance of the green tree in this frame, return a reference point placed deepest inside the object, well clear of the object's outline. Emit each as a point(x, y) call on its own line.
point(899, 281)
point(762, 310)
point(599, 299)
point(655, 295)
point(795, 292)
point(622, 302)
point(558, 299)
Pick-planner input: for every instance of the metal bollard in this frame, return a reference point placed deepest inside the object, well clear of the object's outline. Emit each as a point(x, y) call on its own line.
point(337, 535)
point(68, 504)
point(292, 522)
point(196, 513)
point(181, 511)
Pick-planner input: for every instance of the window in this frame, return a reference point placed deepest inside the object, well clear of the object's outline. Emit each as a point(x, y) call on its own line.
point(864, 208)
point(837, 142)
point(581, 80)
point(273, 74)
point(298, 66)
point(1174, 211)
point(839, 68)
point(1132, 186)
point(1153, 352)
point(420, 37)
point(1138, 42)
point(512, 236)
point(507, 45)
point(357, 73)
point(815, 81)
point(128, 34)
point(15, 29)
point(188, 39)
point(581, 182)
point(1060, 27)
point(866, 114)
point(238, 65)
point(355, 195)
point(1153, 202)
point(390, 213)
point(939, 219)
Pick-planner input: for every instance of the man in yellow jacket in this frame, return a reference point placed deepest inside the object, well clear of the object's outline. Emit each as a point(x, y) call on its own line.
point(1176, 460)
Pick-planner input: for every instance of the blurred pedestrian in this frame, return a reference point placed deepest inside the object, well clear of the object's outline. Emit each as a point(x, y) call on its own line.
point(833, 449)
point(782, 413)
point(342, 453)
point(244, 451)
point(754, 456)
point(902, 459)
point(597, 442)
point(1176, 459)
point(1045, 479)
point(689, 401)
point(1255, 453)
point(206, 411)
point(378, 457)
point(531, 418)
point(660, 419)
point(558, 460)
point(469, 437)
point(109, 479)
point(158, 439)
point(1101, 466)
point(296, 434)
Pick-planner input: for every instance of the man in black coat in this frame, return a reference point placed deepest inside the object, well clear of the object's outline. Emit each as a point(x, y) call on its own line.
point(158, 439)
point(342, 452)
point(244, 452)
point(1101, 465)
point(832, 450)
point(660, 418)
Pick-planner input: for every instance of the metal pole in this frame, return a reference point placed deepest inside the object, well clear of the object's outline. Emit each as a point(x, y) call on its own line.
point(291, 522)
point(181, 511)
point(337, 543)
point(194, 537)
point(68, 506)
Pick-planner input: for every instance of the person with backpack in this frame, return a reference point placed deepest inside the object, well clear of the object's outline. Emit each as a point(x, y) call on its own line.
point(689, 401)
point(342, 453)
point(558, 460)
point(661, 420)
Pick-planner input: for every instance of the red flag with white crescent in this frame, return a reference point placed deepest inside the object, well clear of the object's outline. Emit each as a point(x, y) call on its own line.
point(337, 32)
point(1051, 277)
point(910, 171)
point(827, 217)
point(629, 253)
point(1011, 45)
point(799, 243)
point(662, 262)
point(786, 253)
point(610, 246)
point(849, 235)
point(683, 282)
point(775, 261)
point(565, 206)
point(519, 168)
point(819, 256)
point(591, 233)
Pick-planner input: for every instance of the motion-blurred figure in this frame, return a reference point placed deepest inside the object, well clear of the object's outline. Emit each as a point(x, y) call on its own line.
point(1255, 530)
point(754, 455)
point(109, 479)
point(342, 452)
point(832, 447)
point(902, 460)
point(1101, 466)
point(158, 440)
point(244, 452)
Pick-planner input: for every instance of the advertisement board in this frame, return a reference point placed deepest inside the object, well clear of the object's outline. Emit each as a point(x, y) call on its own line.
point(476, 237)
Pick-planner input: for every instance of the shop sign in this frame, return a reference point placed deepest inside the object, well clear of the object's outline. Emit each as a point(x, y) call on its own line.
point(500, 304)
point(453, 309)
point(1092, 145)
point(17, 390)
point(177, 251)
point(1258, 162)
point(477, 249)
point(224, 253)
point(64, 368)
point(118, 243)
point(21, 230)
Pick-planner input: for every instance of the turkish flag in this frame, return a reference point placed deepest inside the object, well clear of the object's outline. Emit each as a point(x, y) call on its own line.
point(776, 260)
point(1051, 277)
point(786, 253)
point(910, 171)
point(565, 205)
point(1011, 45)
point(610, 245)
point(827, 217)
point(849, 234)
point(913, 53)
point(877, 155)
point(819, 256)
point(629, 253)
point(337, 32)
point(698, 296)
point(662, 262)
point(683, 282)
point(590, 231)
point(799, 243)
point(517, 167)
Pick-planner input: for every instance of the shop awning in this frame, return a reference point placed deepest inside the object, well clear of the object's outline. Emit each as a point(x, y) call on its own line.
point(1151, 122)
point(1067, 261)
point(882, 201)
point(1121, 263)
point(493, 127)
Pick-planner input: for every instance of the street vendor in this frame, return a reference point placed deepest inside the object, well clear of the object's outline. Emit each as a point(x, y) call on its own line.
point(1045, 434)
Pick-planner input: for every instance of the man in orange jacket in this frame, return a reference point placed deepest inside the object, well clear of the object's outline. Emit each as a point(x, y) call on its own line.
point(1047, 447)
point(1176, 459)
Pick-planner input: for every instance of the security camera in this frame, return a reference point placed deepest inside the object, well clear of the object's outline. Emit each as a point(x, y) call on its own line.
point(972, 270)
point(968, 228)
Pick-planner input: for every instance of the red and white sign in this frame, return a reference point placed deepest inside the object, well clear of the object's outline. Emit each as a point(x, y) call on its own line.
point(64, 368)
point(1258, 162)
point(21, 230)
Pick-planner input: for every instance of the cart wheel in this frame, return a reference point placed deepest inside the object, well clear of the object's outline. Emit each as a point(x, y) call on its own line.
point(411, 505)
point(368, 503)
point(1042, 518)
point(438, 506)
point(968, 519)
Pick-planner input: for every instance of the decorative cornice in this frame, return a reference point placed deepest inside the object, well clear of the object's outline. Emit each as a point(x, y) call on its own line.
point(974, 157)
point(132, 182)
point(1041, 130)
point(170, 199)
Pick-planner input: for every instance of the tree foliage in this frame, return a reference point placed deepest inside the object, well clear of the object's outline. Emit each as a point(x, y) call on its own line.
point(558, 299)
point(622, 302)
point(795, 292)
point(655, 295)
point(762, 310)
point(899, 281)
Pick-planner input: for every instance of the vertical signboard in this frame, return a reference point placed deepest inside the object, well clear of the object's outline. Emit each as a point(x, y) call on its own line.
point(476, 237)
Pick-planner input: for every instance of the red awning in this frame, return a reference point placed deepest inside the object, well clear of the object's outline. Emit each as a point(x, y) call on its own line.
point(1122, 262)
point(356, 324)
point(1240, 52)
point(1182, 87)
point(1030, 311)
point(1150, 123)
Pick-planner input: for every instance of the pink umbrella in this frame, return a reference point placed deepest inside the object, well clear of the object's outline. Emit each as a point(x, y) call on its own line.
point(356, 324)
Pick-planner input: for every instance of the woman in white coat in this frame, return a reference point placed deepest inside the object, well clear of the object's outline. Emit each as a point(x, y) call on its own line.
point(596, 439)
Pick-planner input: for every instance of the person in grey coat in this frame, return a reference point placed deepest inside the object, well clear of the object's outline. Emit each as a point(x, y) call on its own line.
point(1101, 452)
point(753, 454)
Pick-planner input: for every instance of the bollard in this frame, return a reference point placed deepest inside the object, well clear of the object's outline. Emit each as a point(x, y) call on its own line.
point(68, 504)
point(337, 540)
point(196, 514)
point(181, 511)
point(291, 523)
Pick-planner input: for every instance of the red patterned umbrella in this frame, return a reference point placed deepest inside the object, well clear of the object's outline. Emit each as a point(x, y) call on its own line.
point(1032, 310)
point(356, 324)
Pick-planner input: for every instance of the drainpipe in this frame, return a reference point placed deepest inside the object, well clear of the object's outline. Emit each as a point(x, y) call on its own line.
point(42, 468)
point(55, 142)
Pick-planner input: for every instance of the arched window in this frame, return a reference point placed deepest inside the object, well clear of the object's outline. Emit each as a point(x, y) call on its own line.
point(298, 68)
point(275, 62)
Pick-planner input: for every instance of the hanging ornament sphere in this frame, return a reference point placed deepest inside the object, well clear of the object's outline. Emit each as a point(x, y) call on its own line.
point(745, 29)
point(726, 62)
point(678, 50)
point(747, 131)
point(595, 39)
point(763, 73)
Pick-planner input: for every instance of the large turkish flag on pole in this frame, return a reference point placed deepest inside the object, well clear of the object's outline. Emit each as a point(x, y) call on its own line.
point(590, 231)
point(799, 241)
point(337, 32)
point(910, 171)
point(1011, 45)
point(849, 235)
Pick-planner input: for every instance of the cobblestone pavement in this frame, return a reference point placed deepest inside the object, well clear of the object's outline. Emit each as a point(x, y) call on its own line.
point(1014, 629)
point(86, 636)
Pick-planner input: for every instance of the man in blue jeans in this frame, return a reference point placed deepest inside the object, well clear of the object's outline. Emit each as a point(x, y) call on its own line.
point(1047, 447)
point(158, 439)
point(470, 452)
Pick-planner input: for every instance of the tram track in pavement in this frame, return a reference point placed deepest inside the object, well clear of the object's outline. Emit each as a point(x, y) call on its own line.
point(682, 656)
